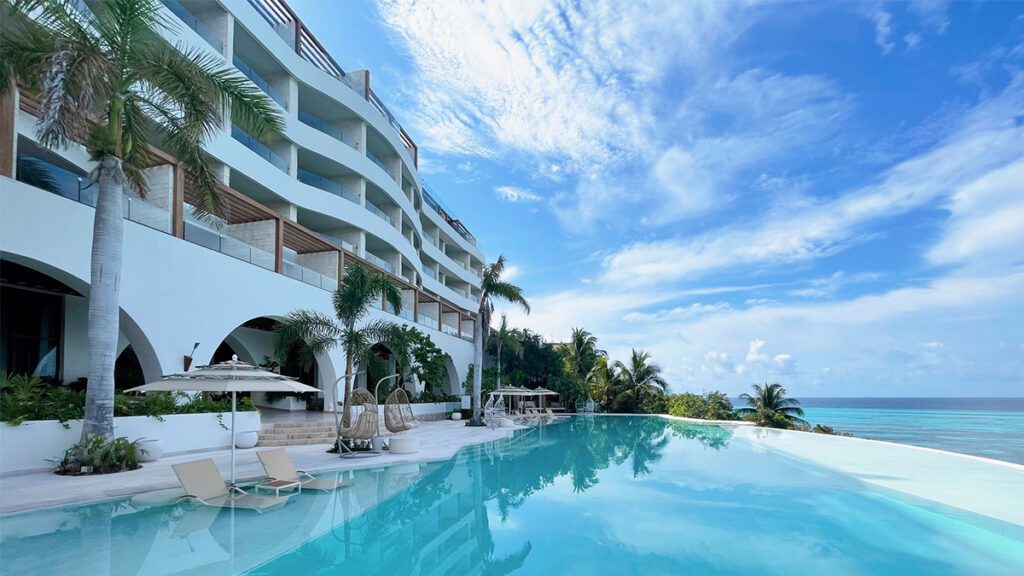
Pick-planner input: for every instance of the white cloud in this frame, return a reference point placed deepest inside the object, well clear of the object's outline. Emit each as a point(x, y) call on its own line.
point(911, 39)
point(516, 195)
point(754, 353)
point(883, 29)
point(679, 312)
point(512, 272)
point(987, 138)
point(559, 80)
point(931, 13)
point(828, 286)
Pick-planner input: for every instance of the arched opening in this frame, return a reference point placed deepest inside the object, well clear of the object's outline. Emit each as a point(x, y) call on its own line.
point(451, 383)
point(253, 342)
point(44, 328)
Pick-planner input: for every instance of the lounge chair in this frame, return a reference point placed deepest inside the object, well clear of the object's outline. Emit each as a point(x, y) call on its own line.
point(204, 484)
point(280, 468)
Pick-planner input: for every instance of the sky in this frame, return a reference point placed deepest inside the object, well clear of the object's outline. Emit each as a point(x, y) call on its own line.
point(829, 195)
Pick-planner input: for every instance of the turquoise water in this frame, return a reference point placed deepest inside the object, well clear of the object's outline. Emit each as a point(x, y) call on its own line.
point(612, 495)
point(988, 427)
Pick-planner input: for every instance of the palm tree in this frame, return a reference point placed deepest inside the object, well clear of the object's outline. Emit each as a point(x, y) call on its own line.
point(601, 380)
point(505, 336)
point(106, 77)
point(360, 291)
point(769, 406)
point(491, 287)
point(580, 354)
point(639, 380)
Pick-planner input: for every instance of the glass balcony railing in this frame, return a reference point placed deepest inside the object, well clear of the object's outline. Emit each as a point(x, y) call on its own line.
point(376, 160)
point(192, 22)
point(338, 242)
point(261, 149)
point(322, 125)
point(311, 277)
point(328, 185)
point(430, 272)
point(450, 330)
point(378, 261)
point(384, 215)
point(405, 312)
point(259, 81)
point(445, 213)
point(203, 234)
point(427, 321)
point(41, 173)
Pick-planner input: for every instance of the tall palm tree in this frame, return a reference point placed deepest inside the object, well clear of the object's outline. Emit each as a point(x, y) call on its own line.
point(769, 406)
point(639, 380)
point(507, 337)
point(105, 77)
point(579, 355)
point(360, 291)
point(601, 380)
point(491, 287)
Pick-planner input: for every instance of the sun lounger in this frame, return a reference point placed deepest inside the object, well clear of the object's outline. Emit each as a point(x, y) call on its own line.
point(204, 484)
point(280, 468)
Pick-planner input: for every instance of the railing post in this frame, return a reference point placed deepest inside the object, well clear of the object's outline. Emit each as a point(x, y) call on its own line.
point(415, 305)
point(279, 246)
point(178, 202)
point(8, 133)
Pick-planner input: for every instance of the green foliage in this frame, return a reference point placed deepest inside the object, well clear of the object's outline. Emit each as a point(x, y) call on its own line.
point(427, 396)
point(638, 385)
point(28, 398)
point(428, 360)
point(709, 406)
point(97, 455)
point(823, 429)
point(770, 407)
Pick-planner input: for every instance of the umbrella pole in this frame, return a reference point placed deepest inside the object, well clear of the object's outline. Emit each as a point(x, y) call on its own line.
point(233, 437)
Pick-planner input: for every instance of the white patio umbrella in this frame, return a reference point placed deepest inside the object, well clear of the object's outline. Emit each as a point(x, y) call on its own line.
point(232, 376)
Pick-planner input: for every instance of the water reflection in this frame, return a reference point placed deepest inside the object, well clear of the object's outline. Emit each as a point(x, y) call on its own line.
point(436, 518)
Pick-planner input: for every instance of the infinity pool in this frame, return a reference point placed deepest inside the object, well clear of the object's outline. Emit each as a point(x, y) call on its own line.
point(613, 495)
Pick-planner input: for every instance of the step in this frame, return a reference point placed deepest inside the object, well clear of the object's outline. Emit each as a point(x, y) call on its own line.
point(299, 424)
point(293, 442)
point(293, 430)
point(294, 436)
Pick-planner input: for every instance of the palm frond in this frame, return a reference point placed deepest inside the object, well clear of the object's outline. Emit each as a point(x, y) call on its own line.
point(315, 330)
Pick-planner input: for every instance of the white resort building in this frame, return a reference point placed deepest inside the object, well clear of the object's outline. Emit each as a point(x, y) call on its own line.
point(340, 186)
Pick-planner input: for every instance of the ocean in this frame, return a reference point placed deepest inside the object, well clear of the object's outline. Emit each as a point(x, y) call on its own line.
point(988, 427)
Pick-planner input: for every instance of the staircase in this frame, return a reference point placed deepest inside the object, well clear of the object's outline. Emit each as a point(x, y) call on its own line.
point(297, 433)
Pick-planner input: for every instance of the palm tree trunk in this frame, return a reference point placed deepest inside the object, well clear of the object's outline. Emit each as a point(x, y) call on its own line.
point(478, 369)
point(346, 419)
point(499, 364)
point(104, 300)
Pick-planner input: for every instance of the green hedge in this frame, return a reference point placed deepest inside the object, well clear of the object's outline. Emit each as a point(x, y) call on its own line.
point(26, 398)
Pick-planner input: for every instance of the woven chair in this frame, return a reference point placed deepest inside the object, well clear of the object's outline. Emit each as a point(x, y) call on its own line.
point(366, 425)
point(398, 416)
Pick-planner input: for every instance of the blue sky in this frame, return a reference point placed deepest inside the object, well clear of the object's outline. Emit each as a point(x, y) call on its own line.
point(828, 194)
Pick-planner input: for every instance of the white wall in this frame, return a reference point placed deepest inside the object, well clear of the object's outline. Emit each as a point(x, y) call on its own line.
point(28, 446)
point(173, 293)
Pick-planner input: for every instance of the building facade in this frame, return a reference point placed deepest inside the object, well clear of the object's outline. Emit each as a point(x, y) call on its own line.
point(341, 186)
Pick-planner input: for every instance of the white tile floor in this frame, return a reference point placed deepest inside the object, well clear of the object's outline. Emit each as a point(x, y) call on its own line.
point(439, 440)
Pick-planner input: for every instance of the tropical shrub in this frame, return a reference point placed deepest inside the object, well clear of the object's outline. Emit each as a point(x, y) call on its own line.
point(97, 455)
point(709, 406)
point(427, 396)
point(29, 398)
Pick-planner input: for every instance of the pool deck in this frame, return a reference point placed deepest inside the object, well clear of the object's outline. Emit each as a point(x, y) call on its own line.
point(439, 440)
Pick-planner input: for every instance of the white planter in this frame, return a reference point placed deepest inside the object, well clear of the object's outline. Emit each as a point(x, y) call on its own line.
point(506, 423)
point(456, 415)
point(28, 446)
point(150, 450)
point(247, 439)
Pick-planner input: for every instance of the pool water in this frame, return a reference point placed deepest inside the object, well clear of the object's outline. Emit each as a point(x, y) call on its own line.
point(606, 495)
